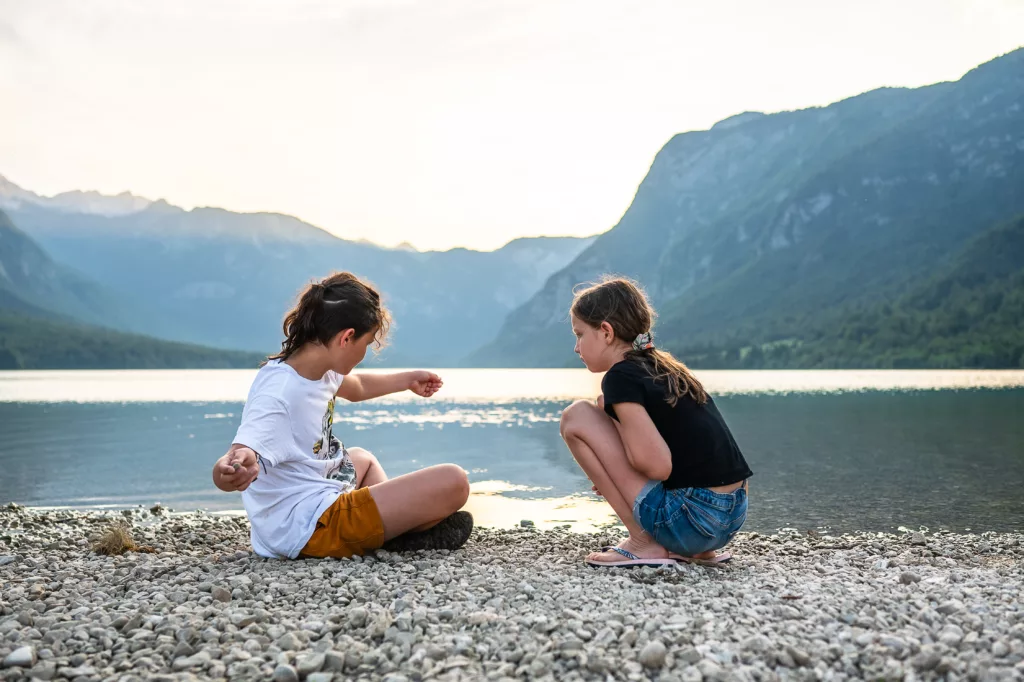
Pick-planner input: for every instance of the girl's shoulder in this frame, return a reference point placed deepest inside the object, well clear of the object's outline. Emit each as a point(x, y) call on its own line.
point(625, 373)
point(628, 369)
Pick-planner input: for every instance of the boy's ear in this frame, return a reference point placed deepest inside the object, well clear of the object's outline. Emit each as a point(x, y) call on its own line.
point(346, 337)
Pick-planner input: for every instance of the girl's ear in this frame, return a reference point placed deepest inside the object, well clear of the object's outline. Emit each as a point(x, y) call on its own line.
point(607, 332)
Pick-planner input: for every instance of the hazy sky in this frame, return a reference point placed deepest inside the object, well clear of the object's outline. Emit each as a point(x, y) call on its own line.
point(440, 123)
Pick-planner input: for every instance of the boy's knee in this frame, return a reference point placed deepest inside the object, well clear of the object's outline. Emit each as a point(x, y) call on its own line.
point(572, 415)
point(459, 482)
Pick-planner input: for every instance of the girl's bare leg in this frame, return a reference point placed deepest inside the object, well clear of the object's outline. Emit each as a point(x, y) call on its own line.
point(421, 499)
point(597, 447)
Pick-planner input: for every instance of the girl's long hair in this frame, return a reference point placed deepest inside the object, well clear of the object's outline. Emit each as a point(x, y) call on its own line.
point(622, 304)
point(338, 302)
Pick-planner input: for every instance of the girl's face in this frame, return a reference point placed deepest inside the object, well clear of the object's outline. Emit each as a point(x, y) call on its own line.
point(596, 346)
point(350, 350)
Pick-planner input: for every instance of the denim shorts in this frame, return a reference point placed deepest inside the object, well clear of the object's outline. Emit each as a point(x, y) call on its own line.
point(689, 521)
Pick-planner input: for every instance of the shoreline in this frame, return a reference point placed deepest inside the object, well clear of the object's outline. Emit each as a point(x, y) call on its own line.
point(513, 604)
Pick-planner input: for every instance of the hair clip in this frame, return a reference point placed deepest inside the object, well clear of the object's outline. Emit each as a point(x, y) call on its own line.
point(643, 341)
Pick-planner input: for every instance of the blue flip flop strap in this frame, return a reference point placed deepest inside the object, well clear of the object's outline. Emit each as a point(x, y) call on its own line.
point(624, 552)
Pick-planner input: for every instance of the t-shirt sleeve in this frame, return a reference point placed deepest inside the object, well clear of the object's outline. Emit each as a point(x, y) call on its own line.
point(619, 387)
point(266, 429)
point(335, 379)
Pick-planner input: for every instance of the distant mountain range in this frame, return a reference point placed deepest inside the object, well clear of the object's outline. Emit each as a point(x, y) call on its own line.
point(42, 305)
point(223, 279)
point(881, 231)
point(762, 239)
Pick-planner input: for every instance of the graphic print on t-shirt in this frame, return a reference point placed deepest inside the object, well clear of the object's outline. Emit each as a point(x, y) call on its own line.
point(341, 468)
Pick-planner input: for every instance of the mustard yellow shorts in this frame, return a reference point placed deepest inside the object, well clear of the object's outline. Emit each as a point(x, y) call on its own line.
point(352, 525)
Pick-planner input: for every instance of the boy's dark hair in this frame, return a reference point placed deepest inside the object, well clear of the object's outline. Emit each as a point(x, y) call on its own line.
point(338, 302)
point(622, 304)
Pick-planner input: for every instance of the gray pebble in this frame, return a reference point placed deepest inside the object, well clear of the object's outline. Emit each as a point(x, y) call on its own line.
point(22, 657)
point(285, 673)
point(289, 642)
point(511, 605)
point(320, 677)
point(653, 654)
point(220, 594)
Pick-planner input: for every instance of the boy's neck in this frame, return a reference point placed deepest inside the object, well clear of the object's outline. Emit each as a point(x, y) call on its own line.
point(309, 362)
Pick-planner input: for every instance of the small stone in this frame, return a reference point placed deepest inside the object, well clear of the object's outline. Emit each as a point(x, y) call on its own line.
point(653, 655)
point(691, 674)
point(756, 643)
point(799, 656)
point(22, 657)
point(320, 677)
point(310, 663)
point(285, 673)
point(220, 594)
point(334, 661)
point(1000, 649)
point(288, 642)
point(527, 523)
point(7, 559)
point(183, 649)
point(926, 660)
point(45, 671)
point(918, 539)
point(357, 617)
point(951, 606)
point(907, 578)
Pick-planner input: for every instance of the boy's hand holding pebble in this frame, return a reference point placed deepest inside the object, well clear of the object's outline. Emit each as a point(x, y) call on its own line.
point(237, 469)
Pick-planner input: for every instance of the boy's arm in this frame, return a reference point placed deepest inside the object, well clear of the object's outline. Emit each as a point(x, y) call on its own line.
point(358, 387)
point(236, 469)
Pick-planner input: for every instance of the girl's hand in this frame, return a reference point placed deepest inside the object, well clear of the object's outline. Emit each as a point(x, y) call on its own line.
point(236, 470)
point(425, 384)
point(596, 491)
point(600, 402)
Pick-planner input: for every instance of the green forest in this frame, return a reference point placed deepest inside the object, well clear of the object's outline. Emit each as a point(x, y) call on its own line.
point(970, 314)
point(28, 342)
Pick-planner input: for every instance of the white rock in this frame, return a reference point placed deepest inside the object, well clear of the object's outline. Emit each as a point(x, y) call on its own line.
point(22, 657)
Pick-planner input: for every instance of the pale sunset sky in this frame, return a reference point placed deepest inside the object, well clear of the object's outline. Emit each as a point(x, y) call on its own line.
point(441, 123)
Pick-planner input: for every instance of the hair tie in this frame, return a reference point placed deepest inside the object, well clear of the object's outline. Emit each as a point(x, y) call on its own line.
point(643, 341)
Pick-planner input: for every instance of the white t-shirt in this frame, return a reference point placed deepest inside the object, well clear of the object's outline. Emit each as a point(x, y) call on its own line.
point(288, 420)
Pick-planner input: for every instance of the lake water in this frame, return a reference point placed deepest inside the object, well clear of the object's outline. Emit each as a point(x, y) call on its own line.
point(839, 450)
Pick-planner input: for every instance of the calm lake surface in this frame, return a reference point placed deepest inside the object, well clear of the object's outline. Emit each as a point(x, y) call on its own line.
point(839, 450)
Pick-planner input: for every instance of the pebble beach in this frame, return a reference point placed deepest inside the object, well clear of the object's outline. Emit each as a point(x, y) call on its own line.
point(193, 602)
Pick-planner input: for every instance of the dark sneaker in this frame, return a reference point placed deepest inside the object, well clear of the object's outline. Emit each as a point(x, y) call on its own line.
point(451, 533)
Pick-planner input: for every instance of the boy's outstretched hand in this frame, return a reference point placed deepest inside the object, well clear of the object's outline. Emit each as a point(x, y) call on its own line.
point(425, 384)
point(236, 470)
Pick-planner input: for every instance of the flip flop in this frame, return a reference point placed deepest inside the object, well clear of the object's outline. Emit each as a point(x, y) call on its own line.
point(723, 558)
point(630, 560)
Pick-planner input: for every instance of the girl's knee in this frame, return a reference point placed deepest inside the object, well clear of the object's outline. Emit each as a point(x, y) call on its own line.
point(573, 415)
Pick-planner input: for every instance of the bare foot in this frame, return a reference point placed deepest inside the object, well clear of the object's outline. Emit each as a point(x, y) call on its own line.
point(644, 548)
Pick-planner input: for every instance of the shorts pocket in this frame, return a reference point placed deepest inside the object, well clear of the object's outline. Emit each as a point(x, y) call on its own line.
point(699, 521)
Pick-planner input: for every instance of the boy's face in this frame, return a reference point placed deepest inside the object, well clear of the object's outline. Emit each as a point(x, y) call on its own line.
point(593, 344)
point(350, 349)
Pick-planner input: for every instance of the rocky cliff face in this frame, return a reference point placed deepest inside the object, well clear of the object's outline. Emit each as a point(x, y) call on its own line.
point(766, 218)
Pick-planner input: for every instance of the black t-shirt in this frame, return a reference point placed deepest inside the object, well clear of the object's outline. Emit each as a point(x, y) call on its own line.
point(704, 453)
